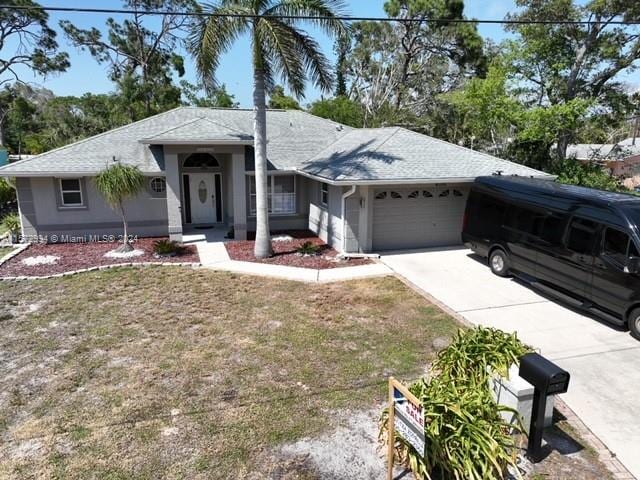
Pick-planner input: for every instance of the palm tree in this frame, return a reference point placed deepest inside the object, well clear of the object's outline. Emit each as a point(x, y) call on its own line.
point(279, 48)
point(117, 183)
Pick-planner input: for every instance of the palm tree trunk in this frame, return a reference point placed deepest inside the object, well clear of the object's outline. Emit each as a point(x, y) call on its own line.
point(263, 239)
point(126, 246)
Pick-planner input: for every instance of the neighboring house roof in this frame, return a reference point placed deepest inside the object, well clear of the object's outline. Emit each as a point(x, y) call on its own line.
point(604, 151)
point(398, 154)
point(297, 141)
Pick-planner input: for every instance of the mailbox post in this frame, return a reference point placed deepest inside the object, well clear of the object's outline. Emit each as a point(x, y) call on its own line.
point(547, 379)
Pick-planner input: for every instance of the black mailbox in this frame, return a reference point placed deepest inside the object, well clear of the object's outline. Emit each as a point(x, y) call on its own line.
point(543, 374)
point(547, 379)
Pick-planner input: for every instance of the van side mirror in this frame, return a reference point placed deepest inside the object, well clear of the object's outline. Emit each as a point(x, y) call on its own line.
point(633, 265)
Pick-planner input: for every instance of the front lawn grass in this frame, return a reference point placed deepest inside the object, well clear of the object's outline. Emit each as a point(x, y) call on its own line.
point(180, 373)
point(5, 251)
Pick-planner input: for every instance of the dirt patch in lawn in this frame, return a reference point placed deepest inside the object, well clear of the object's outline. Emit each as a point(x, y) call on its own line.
point(285, 252)
point(179, 373)
point(56, 258)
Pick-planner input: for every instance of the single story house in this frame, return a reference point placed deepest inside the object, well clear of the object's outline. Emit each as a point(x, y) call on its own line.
point(360, 190)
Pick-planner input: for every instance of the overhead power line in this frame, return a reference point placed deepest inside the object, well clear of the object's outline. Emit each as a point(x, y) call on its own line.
point(345, 18)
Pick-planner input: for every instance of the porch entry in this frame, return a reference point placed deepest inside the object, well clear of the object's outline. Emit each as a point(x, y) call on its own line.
point(202, 198)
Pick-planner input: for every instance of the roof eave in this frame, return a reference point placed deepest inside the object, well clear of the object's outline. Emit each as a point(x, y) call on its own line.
point(10, 174)
point(404, 181)
point(151, 141)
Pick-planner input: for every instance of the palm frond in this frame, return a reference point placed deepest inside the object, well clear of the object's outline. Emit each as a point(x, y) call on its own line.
point(306, 52)
point(279, 47)
point(211, 37)
point(118, 182)
point(329, 10)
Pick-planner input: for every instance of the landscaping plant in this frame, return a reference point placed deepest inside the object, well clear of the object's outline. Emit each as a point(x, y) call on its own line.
point(117, 183)
point(465, 434)
point(308, 248)
point(167, 248)
point(11, 223)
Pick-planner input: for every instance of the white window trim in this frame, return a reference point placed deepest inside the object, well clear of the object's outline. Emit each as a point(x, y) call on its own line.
point(62, 192)
point(324, 190)
point(158, 195)
point(270, 179)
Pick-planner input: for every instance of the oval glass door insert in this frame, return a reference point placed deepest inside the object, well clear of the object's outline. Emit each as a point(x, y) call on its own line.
point(202, 191)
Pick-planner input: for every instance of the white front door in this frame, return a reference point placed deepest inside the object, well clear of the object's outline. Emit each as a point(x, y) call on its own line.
point(202, 193)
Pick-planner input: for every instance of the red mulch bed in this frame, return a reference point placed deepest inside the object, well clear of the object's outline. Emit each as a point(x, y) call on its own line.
point(285, 252)
point(77, 256)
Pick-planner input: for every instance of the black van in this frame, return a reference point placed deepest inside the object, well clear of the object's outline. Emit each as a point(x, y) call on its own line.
point(577, 244)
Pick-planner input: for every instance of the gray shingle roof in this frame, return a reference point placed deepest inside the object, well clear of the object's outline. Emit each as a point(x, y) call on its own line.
point(399, 154)
point(293, 137)
point(296, 140)
point(200, 130)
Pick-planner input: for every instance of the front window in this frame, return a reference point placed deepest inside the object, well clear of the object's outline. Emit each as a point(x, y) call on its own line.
point(281, 194)
point(71, 192)
point(324, 194)
point(158, 185)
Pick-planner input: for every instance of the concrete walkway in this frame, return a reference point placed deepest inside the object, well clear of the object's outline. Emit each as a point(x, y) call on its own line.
point(603, 361)
point(213, 255)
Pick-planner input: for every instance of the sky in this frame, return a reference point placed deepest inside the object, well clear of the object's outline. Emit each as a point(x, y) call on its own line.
point(86, 75)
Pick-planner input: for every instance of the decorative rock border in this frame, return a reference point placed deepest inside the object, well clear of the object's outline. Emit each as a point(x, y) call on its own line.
point(103, 267)
point(17, 250)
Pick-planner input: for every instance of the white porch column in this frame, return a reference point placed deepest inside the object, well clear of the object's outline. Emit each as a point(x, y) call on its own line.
point(174, 203)
point(239, 195)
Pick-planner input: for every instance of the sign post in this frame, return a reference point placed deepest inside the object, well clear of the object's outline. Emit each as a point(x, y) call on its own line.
point(406, 416)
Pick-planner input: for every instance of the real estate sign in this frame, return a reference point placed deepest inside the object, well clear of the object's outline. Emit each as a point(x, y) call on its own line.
point(406, 417)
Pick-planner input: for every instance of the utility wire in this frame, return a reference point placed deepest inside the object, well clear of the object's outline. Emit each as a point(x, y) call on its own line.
point(305, 17)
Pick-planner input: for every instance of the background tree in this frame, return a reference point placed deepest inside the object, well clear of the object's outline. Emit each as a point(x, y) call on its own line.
point(35, 43)
point(25, 41)
point(340, 109)
point(279, 48)
point(216, 97)
point(117, 183)
point(559, 63)
point(279, 99)
point(141, 59)
point(398, 68)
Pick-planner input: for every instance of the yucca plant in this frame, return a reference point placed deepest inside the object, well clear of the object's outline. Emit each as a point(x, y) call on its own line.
point(117, 183)
point(11, 223)
point(465, 434)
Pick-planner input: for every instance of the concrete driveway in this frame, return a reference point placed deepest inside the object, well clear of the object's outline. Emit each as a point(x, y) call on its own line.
point(604, 362)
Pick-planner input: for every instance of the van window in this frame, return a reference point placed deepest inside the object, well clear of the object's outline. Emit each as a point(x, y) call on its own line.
point(524, 220)
point(618, 245)
point(581, 236)
point(553, 229)
point(490, 210)
point(615, 244)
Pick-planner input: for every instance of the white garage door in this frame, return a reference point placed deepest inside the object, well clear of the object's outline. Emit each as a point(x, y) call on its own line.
point(418, 217)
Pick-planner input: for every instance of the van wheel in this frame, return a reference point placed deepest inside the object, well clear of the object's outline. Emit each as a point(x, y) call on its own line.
point(634, 323)
point(499, 263)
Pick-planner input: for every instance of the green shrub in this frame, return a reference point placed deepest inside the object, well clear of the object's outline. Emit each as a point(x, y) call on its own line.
point(7, 192)
point(11, 223)
point(465, 435)
point(308, 248)
point(165, 248)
